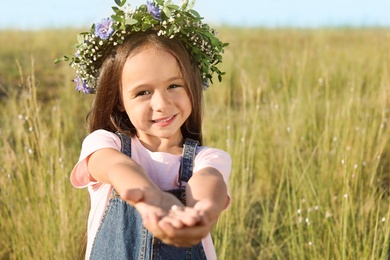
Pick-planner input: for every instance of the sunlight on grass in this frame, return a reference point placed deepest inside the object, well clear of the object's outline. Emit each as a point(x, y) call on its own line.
point(304, 115)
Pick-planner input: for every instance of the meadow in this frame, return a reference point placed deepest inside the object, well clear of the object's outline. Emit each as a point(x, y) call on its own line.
point(304, 115)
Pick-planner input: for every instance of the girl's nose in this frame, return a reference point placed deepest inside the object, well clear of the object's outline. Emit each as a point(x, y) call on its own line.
point(160, 101)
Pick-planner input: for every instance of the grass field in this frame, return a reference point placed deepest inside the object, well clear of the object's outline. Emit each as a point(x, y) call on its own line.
point(304, 115)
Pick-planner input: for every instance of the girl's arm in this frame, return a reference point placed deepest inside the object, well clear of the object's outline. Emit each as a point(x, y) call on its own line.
point(207, 194)
point(130, 180)
point(110, 166)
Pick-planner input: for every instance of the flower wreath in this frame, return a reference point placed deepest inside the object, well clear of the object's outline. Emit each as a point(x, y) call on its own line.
point(163, 17)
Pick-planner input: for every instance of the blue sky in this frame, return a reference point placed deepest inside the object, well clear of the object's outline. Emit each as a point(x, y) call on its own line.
point(38, 14)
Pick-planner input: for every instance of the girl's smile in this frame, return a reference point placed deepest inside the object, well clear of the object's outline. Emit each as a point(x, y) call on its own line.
point(164, 121)
point(155, 98)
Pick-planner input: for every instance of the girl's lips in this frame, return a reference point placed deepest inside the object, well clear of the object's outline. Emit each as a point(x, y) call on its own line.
point(164, 121)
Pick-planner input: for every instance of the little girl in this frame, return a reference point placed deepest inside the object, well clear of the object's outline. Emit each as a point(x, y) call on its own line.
point(155, 191)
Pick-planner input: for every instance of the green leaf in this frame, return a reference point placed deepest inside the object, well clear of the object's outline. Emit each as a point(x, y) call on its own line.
point(120, 3)
point(80, 38)
point(65, 58)
point(131, 21)
point(214, 41)
point(116, 9)
point(166, 11)
point(190, 5)
point(195, 13)
point(145, 26)
point(117, 18)
point(170, 30)
point(174, 7)
point(154, 21)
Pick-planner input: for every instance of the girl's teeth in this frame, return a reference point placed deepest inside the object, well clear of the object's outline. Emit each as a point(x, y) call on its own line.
point(164, 120)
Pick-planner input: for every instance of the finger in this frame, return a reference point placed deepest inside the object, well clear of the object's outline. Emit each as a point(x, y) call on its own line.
point(152, 212)
point(187, 216)
point(187, 232)
point(184, 237)
point(173, 221)
point(177, 240)
point(151, 222)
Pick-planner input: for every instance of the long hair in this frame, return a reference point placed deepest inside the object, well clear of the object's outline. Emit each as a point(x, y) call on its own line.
point(105, 112)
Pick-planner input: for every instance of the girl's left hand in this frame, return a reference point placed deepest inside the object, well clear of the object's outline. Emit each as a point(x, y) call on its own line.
point(156, 206)
point(189, 235)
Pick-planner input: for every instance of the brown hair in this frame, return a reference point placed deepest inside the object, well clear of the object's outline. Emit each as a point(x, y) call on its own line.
point(105, 112)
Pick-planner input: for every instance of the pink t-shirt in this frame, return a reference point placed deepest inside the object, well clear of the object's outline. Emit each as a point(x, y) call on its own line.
point(161, 167)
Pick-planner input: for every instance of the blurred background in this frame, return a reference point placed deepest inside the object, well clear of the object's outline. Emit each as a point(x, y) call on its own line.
point(26, 14)
point(303, 110)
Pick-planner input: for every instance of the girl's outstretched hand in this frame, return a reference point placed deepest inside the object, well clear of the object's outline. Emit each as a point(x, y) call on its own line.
point(189, 235)
point(156, 206)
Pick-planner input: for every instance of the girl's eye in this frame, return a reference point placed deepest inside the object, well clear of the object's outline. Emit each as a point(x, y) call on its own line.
point(142, 93)
point(174, 86)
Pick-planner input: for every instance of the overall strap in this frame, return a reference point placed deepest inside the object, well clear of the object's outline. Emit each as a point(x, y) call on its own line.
point(125, 143)
point(187, 160)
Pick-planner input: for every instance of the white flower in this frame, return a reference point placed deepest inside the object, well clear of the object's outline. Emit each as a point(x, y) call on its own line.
point(90, 51)
point(127, 9)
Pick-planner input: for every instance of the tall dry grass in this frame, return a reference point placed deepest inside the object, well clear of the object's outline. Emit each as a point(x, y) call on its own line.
point(303, 113)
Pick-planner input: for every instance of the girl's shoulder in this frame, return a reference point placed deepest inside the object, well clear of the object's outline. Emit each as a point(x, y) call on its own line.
point(102, 138)
point(210, 155)
point(206, 151)
point(214, 158)
point(101, 133)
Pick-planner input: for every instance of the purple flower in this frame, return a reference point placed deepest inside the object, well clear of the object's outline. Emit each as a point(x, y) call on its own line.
point(81, 85)
point(104, 29)
point(205, 84)
point(153, 10)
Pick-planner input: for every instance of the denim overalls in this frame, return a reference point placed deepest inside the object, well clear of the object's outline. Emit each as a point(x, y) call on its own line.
point(121, 234)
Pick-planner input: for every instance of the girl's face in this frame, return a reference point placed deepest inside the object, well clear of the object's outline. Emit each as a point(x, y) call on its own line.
point(154, 96)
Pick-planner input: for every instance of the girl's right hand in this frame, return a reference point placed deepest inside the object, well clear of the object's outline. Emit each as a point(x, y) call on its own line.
point(155, 205)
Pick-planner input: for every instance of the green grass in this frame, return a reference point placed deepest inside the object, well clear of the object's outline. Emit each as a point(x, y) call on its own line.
point(304, 115)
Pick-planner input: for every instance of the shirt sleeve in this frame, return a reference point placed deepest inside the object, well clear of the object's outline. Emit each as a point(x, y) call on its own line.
point(217, 159)
point(99, 139)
